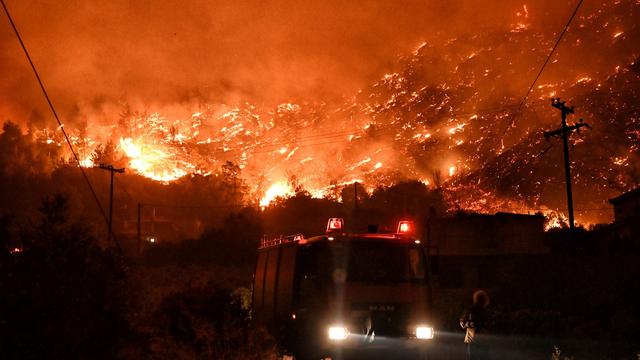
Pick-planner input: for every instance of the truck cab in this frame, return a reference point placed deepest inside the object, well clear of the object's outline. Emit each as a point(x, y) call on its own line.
point(342, 294)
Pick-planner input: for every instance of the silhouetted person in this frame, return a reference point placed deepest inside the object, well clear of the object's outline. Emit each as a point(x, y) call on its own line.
point(475, 321)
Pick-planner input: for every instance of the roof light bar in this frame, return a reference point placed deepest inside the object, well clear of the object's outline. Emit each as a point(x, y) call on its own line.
point(267, 242)
point(335, 224)
point(405, 227)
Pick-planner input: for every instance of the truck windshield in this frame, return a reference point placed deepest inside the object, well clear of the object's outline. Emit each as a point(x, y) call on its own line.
point(378, 261)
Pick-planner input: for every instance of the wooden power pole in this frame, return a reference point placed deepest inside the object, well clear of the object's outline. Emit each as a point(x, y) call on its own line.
point(139, 230)
point(564, 131)
point(355, 196)
point(112, 170)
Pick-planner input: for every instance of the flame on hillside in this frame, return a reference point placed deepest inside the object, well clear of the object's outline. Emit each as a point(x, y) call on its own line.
point(445, 117)
point(278, 189)
point(151, 161)
point(317, 158)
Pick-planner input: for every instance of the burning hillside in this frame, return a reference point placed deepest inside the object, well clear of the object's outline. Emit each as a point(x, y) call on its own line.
point(445, 116)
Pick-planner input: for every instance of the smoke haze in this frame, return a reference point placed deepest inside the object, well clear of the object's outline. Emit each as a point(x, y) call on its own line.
point(93, 54)
point(323, 94)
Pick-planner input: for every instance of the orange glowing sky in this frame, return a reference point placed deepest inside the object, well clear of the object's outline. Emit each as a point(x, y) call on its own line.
point(152, 54)
point(324, 93)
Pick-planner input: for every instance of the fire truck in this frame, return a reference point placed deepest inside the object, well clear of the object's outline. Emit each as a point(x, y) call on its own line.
point(341, 295)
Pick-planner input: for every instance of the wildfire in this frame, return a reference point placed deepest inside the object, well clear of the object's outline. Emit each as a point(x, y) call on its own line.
point(87, 162)
point(621, 161)
point(554, 220)
point(437, 114)
point(456, 129)
point(276, 190)
point(150, 161)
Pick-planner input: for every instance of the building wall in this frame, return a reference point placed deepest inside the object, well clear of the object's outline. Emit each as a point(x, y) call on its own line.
point(499, 234)
point(627, 207)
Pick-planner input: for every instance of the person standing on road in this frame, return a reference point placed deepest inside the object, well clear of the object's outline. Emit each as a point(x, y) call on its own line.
point(475, 321)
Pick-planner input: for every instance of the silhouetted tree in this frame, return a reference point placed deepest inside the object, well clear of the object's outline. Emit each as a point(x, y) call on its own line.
point(233, 243)
point(106, 154)
point(62, 296)
point(21, 156)
point(236, 241)
point(235, 187)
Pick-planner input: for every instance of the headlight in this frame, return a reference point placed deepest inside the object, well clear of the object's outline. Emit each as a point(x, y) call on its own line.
point(424, 332)
point(338, 333)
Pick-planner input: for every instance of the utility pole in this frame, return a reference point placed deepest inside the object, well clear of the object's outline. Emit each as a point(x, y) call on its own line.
point(431, 269)
point(564, 131)
point(355, 196)
point(428, 268)
point(139, 229)
point(112, 170)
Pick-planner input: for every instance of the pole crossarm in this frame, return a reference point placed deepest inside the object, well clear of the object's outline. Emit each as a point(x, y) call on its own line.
point(568, 129)
point(111, 168)
point(564, 132)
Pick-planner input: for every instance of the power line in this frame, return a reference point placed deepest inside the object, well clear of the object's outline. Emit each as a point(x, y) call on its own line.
point(230, 206)
point(237, 206)
point(524, 99)
point(374, 131)
point(556, 210)
point(389, 127)
point(264, 148)
point(122, 186)
point(55, 114)
point(320, 138)
point(453, 114)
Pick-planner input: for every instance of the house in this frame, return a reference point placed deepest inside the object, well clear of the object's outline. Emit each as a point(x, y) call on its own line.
point(479, 250)
point(469, 234)
point(623, 235)
point(626, 206)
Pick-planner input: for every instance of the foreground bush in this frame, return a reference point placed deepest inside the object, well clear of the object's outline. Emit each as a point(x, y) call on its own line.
point(63, 296)
point(205, 323)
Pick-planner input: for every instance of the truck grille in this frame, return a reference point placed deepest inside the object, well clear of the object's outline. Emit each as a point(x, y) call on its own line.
point(389, 320)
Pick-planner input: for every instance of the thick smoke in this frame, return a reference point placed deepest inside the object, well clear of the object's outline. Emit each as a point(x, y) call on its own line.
point(325, 94)
point(95, 55)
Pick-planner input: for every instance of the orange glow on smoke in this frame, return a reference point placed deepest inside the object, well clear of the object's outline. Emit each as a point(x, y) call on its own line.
point(441, 115)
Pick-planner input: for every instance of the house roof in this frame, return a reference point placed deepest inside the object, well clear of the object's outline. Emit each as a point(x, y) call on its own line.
point(631, 194)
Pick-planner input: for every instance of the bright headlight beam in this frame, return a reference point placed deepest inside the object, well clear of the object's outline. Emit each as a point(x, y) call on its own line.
point(424, 332)
point(338, 333)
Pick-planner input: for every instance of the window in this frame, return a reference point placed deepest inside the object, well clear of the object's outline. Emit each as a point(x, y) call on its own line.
point(378, 261)
point(416, 263)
